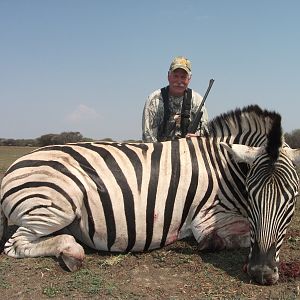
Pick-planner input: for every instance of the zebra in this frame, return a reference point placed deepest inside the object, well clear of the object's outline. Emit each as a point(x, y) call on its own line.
point(234, 187)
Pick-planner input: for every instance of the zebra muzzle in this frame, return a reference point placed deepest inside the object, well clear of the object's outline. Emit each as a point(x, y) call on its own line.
point(264, 275)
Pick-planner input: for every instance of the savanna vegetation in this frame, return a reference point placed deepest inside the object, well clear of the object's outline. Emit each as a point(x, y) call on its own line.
point(52, 139)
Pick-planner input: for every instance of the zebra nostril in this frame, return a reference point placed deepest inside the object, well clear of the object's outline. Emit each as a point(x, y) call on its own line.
point(275, 270)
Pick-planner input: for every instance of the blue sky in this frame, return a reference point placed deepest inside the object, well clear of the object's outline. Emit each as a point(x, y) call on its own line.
point(88, 66)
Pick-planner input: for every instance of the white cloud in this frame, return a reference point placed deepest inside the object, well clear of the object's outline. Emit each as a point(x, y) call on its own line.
point(82, 113)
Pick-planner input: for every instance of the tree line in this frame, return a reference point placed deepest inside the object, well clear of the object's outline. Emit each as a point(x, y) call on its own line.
point(292, 139)
point(53, 139)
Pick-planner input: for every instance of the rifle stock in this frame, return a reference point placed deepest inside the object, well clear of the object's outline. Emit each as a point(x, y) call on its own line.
point(194, 125)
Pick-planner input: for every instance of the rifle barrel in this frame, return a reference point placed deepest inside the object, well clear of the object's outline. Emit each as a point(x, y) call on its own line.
point(193, 127)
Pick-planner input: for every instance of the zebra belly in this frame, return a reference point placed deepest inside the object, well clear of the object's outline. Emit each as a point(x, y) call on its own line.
point(101, 236)
point(100, 239)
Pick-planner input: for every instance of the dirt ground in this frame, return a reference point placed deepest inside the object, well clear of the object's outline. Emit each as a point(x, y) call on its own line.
point(178, 271)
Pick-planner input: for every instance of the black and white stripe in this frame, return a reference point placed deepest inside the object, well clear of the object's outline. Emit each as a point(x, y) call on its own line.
point(136, 197)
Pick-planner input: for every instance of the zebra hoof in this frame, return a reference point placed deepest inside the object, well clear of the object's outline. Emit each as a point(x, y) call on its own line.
point(73, 259)
point(212, 242)
point(73, 264)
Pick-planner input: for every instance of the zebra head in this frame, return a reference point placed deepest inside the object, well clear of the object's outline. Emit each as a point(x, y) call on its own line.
point(272, 185)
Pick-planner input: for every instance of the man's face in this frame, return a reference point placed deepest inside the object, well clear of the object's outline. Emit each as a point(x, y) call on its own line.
point(179, 80)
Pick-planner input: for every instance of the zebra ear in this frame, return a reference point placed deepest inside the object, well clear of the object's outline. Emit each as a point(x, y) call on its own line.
point(243, 153)
point(294, 155)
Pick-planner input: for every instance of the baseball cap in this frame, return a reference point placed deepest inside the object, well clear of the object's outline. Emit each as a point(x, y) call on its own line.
point(181, 62)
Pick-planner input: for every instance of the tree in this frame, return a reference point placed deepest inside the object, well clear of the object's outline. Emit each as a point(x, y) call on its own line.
point(70, 137)
point(293, 138)
point(60, 139)
point(47, 139)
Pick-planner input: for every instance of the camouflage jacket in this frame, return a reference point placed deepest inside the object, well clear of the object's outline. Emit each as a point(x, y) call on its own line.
point(153, 116)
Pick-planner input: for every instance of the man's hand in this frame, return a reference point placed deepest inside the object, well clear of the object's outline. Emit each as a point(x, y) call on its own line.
point(192, 134)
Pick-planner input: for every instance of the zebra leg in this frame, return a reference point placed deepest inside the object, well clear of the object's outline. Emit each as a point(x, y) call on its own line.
point(26, 243)
point(222, 231)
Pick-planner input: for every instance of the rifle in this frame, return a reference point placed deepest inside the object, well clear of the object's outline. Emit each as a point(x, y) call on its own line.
point(194, 125)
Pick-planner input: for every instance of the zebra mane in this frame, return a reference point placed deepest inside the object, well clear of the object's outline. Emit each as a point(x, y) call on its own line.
point(251, 126)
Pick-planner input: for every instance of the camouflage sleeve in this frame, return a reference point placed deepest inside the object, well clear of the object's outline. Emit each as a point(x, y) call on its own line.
point(196, 101)
point(152, 117)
